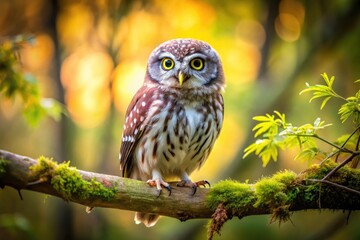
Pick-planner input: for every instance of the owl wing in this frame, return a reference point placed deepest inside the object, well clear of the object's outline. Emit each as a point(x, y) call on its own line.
point(135, 124)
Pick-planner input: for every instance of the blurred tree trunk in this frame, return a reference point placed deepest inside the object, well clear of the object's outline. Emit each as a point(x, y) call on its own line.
point(64, 213)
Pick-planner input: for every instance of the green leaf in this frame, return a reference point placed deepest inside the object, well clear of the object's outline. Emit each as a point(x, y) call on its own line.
point(262, 118)
point(307, 154)
point(329, 82)
point(322, 91)
point(52, 108)
point(15, 82)
point(324, 102)
point(33, 113)
point(263, 127)
point(269, 152)
point(256, 147)
point(348, 109)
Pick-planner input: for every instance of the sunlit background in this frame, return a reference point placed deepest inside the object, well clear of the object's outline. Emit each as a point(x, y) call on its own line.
point(91, 55)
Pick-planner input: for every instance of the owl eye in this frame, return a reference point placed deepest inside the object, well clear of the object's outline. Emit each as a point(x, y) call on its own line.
point(167, 64)
point(197, 64)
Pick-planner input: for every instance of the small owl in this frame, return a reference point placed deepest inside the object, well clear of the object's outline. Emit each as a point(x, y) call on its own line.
point(174, 119)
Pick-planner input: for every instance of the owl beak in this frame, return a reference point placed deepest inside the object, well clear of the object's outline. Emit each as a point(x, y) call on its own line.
point(182, 78)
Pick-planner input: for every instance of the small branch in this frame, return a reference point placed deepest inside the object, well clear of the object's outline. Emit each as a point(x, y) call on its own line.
point(350, 136)
point(341, 149)
point(332, 144)
point(342, 164)
point(336, 185)
point(357, 142)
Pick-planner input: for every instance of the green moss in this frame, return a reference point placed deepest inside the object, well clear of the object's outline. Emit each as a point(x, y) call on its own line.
point(44, 169)
point(269, 192)
point(318, 194)
point(233, 194)
point(286, 177)
point(3, 166)
point(69, 182)
point(272, 191)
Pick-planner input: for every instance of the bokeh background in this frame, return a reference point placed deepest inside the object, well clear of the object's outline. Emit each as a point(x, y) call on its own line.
point(91, 55)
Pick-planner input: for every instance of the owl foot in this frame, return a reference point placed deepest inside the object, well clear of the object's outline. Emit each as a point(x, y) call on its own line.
point(158, 183)
point(193, 185)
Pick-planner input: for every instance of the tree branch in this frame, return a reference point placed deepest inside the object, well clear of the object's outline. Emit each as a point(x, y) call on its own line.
point(129, 194)
point(282, 193)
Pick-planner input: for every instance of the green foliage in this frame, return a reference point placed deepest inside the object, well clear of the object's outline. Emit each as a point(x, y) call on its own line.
point(69, 182)
point(14, 82)
point(275, 133)
point(322, 91)
point(348, 109)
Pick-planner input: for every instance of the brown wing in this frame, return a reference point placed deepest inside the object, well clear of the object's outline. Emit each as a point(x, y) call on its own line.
point(136, 116)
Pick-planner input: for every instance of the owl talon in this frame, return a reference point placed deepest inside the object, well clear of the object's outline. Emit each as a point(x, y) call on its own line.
point(158, 192)
point(159, 183)
point(169, 189)
point(203, 183)
point(194, 188)
point(193, 185)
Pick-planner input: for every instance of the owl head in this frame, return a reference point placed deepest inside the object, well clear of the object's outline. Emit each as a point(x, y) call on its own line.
point(185, 64)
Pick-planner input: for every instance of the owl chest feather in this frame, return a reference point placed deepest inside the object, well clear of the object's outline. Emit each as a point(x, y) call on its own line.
point(179, 137)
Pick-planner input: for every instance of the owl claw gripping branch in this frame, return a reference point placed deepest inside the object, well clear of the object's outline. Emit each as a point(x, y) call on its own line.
point(158, 183)
point(193, 185)
point(175, 118)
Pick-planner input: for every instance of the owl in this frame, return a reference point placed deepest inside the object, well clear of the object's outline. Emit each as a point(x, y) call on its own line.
point(175, 118)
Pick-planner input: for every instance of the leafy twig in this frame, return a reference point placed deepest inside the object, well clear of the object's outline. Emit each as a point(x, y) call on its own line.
point(336, 185)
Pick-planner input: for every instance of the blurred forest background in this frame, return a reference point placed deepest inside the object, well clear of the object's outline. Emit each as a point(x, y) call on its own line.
point(91, 55)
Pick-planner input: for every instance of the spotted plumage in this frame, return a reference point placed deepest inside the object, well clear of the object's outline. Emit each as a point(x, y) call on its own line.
point(174, 119)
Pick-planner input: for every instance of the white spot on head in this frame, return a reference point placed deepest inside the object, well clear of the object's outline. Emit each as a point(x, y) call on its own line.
point(144, 96)
point(131, 114)
point(136, 131)
point(131, 125)
point(135, 120)
point(141, 118)
point(143, 103)
point(137, 111)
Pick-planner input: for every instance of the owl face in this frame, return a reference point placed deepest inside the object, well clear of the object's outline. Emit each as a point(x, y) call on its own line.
point(185, 63)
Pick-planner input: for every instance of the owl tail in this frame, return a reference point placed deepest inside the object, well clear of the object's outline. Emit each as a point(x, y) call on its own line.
point(148, 219)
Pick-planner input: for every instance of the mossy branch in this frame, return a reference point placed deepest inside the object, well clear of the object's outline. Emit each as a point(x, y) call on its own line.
point(279, 195)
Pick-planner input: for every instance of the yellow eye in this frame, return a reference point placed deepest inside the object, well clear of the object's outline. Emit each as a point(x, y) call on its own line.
point(197, 64)
point(167, 64)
